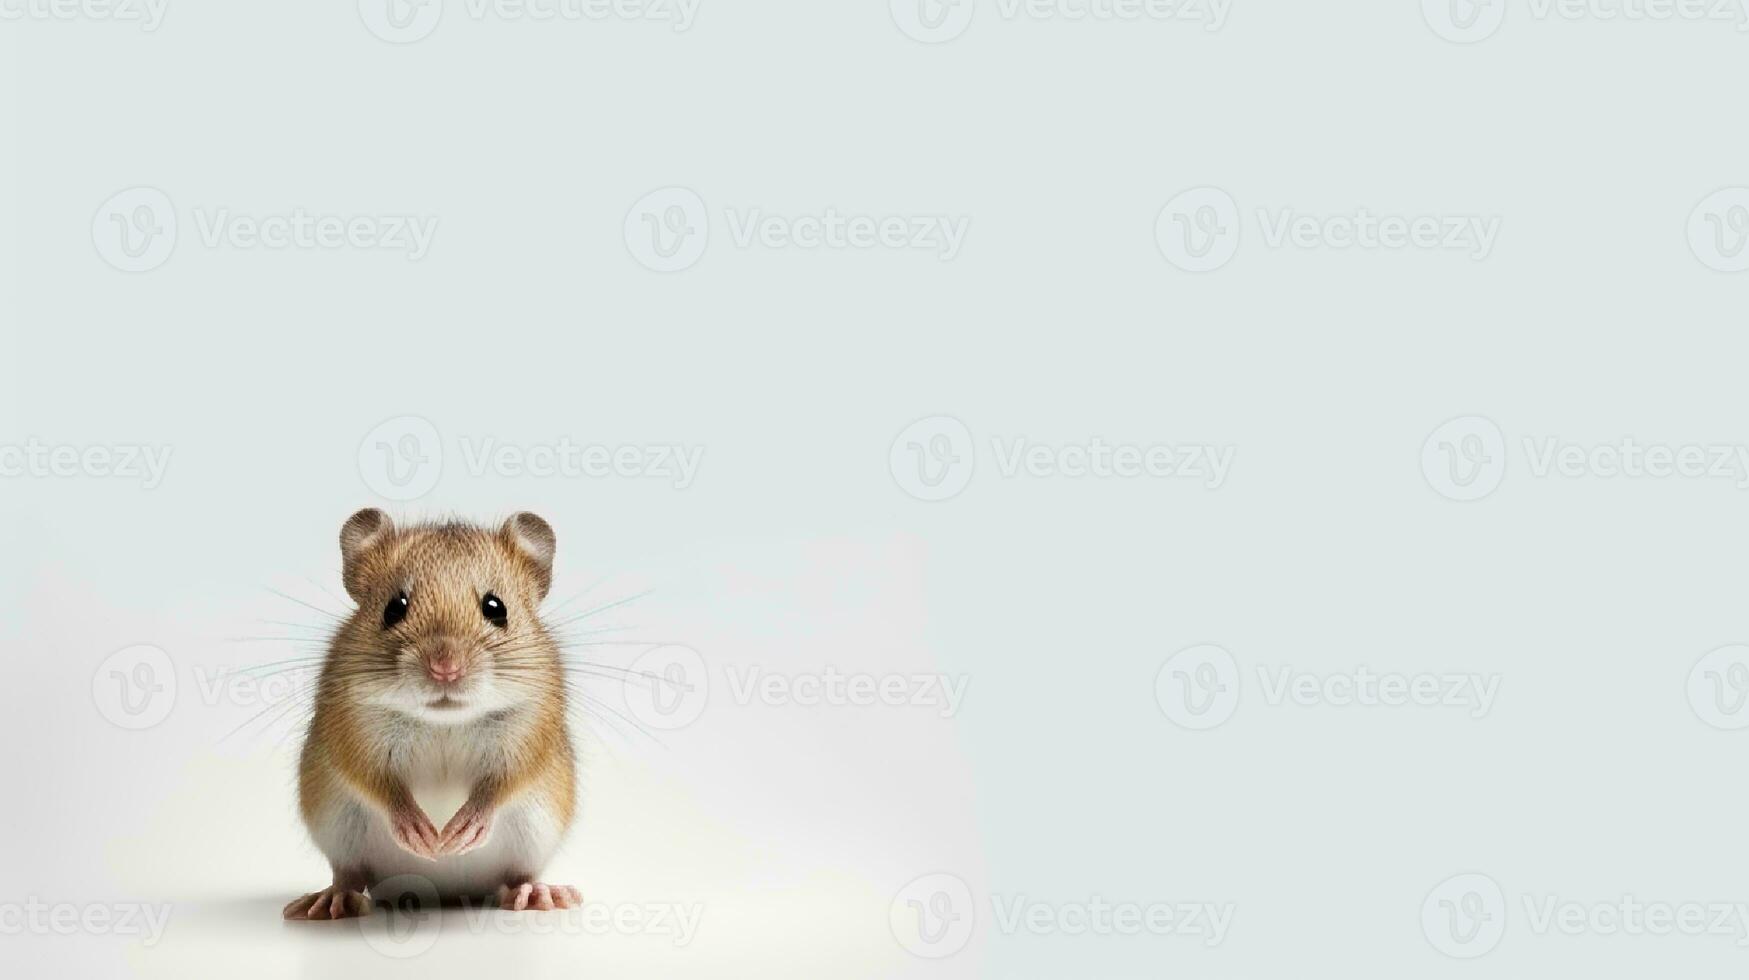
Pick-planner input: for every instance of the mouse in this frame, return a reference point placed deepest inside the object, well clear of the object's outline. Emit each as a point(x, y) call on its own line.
point(439, 745)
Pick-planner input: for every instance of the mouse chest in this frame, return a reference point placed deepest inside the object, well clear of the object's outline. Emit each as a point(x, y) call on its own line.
point(439, 770)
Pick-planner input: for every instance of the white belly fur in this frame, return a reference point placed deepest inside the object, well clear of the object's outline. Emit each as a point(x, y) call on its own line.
point(523, 837)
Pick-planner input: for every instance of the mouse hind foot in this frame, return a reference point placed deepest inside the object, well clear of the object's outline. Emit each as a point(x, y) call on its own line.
point(333, 902)
point(534, 895)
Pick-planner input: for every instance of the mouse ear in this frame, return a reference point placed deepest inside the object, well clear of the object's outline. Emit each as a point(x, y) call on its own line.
point(533, 539)
point(359, 536)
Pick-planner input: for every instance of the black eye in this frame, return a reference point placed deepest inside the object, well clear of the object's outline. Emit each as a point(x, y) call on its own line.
point(395, 611)
point(493, 609)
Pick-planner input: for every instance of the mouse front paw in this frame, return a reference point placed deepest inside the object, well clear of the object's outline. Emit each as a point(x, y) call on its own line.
point(468, 829)
point(414, 832)
point(535, 895)
point(333, 902)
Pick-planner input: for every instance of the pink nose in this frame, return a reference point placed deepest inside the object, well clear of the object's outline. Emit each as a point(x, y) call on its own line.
point(446, 669)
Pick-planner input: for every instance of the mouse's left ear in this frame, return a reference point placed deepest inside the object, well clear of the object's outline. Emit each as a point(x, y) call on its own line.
point(533, 539)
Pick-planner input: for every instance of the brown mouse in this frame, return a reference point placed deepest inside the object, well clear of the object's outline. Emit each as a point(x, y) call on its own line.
point(444, 693)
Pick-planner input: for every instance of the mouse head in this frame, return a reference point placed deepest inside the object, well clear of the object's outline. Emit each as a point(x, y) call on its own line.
point(447, 628)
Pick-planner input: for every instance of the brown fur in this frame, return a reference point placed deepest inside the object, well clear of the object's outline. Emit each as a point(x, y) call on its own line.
point(445, 568)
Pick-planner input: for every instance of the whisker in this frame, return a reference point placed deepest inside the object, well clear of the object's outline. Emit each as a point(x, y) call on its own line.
point(344, 603)
point(282, 709)
point(588, 700)
point(611, 605)
point(575, 596)
point(608, 671)
point(297, 626)
point(306, 605)
point(592, 632)
point(298, 663)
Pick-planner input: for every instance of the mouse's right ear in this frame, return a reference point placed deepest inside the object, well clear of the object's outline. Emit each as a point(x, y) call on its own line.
point(362, 533)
